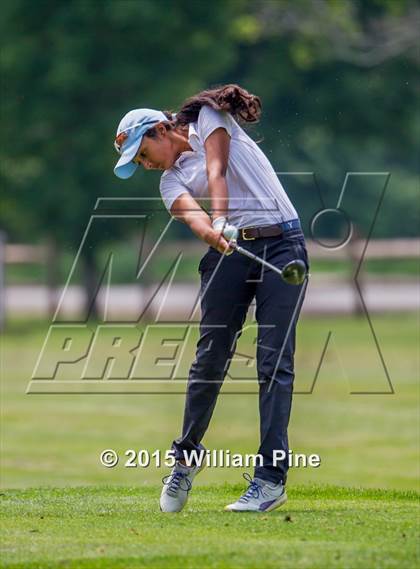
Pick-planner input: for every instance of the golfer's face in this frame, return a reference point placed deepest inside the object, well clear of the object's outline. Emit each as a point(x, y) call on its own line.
point(155, 153)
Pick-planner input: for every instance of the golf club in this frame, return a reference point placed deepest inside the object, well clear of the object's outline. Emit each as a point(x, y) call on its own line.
point(293, 273)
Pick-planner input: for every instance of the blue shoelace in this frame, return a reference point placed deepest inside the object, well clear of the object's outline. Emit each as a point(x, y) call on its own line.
point(174, 482)
point(254, 489)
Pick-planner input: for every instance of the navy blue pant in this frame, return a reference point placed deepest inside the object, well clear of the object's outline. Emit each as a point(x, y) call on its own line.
point(229, 283)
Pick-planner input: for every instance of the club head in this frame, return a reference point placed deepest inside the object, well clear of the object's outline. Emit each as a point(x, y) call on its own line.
point(294, 273)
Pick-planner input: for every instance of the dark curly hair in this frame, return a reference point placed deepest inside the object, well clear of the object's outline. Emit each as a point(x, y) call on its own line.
point(241, 104)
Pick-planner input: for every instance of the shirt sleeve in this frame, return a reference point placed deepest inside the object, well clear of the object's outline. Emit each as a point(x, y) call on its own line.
point(170, 188)
point(209, 120)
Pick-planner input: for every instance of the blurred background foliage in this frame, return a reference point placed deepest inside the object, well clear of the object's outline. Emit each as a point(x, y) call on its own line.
point(339, 82)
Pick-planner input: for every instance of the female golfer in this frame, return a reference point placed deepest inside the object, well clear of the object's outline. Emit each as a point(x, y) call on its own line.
point(204, 152)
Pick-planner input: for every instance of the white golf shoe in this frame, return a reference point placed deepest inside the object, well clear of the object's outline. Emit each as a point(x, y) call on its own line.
point(261, 496)
point(176, 486)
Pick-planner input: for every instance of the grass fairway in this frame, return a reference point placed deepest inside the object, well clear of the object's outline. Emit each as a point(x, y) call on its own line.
point(62, 508)
point(366, 440)
point(121, 527)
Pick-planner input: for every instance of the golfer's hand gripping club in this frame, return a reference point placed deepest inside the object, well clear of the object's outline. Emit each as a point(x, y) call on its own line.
point(229, 232)
point(293, 272)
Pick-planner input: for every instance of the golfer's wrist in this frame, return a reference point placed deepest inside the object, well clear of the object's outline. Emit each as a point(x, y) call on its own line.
point(211, 236)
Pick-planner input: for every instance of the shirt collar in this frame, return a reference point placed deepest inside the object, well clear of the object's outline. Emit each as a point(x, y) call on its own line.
point(193, 140)
point(192, 134)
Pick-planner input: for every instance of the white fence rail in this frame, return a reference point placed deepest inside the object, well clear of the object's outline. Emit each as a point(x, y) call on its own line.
point(327, 293)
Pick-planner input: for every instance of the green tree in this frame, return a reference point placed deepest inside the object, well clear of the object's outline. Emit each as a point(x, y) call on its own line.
point(69, 73)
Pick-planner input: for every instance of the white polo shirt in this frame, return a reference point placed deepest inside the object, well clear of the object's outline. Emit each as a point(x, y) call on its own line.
point(256, 196)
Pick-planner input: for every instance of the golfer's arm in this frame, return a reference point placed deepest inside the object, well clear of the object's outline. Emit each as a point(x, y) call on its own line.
point(217, 155)
point(219, 196)
point(187, 210)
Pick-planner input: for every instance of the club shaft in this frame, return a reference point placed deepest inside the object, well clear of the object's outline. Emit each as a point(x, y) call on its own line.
point(255, 258)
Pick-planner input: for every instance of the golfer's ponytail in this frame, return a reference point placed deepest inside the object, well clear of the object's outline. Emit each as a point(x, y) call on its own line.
point(237, 101)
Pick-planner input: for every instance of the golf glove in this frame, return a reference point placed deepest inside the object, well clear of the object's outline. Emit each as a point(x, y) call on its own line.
point(221, 224)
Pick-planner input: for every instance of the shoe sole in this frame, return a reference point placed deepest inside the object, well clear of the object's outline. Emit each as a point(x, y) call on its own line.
point(282, 500)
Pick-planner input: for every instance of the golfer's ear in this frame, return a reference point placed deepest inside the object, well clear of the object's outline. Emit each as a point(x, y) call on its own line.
point(217, 152)
point(161, 129)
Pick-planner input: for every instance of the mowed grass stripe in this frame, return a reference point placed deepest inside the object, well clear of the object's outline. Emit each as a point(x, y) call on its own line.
point(122, 527)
